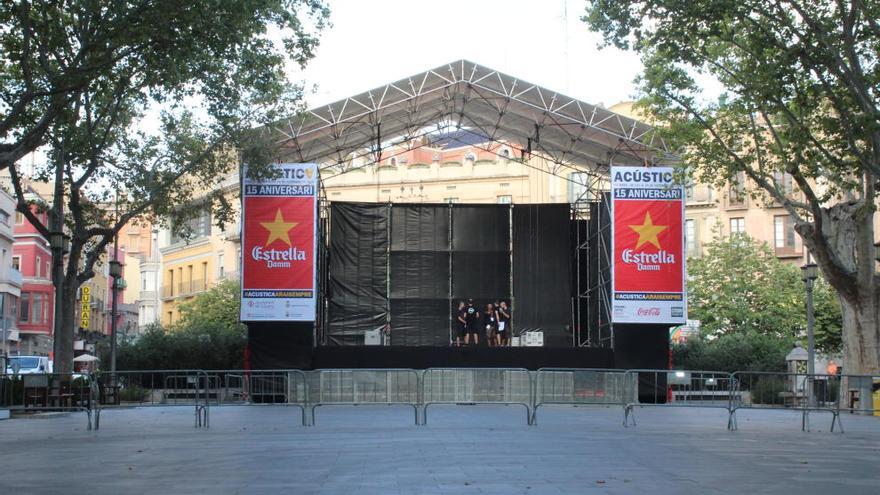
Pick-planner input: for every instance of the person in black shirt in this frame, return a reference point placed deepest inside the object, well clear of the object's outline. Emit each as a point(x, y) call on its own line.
point(460, 324)
point(490, 323)
point(503, 324)
point(471, 318)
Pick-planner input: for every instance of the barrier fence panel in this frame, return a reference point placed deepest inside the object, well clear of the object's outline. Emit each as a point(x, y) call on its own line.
point(679, 388)
point(477, 386)
point(573, 386)
point(43, 392)
point(788, 391)
point(860, 394)
point(259, 387)
point(363, 386)
point(146, 388)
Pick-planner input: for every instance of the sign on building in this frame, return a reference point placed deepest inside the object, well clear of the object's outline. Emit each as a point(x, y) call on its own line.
point(648, 269)
point(279, 233)
point(85, 313)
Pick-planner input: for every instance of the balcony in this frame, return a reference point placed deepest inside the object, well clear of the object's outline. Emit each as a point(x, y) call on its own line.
point(15, 277)
point(184, 289)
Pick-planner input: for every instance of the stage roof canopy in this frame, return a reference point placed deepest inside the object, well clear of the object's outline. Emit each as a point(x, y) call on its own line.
point(465, 96)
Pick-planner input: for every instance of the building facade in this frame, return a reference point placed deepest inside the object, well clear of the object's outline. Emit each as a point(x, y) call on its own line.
point(32, 257)
point(10, 277)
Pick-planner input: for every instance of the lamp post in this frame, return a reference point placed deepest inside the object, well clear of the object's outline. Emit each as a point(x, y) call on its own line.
point(810, 273)
point(59, 243)
point(116, 273)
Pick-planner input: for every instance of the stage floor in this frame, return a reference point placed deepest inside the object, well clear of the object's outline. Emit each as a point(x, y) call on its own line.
point(463, 450)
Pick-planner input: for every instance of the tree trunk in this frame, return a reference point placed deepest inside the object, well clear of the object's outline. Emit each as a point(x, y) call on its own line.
point(844, 248)
point(67, 330)
point(861, 335)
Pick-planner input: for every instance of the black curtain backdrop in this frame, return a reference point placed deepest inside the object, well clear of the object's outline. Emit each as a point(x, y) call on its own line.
point(542, 271)
point(419, 276)
point(408, 266)
point(480, 254)
point(357, 291)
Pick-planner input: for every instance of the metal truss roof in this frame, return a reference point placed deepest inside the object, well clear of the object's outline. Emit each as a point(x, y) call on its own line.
point(464, 95)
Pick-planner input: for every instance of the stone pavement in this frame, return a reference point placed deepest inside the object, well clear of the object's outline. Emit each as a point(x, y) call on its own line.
point(463, 450)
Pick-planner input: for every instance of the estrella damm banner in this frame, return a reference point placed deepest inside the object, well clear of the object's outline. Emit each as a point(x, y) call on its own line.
point(648, 272)
point(279, 232)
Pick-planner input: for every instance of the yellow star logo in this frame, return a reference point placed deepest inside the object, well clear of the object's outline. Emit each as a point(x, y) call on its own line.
point(648, 231)
point(278, 229)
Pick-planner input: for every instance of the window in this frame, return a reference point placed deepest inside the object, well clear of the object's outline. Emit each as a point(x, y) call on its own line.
point(221, 270)
point(4, 217)
point(392, 162)
point(450, 200)
point(16, 262)
point(38, 273)
point(470, 156)
point(736, 194)
point(40, 309)
point(784, 182)
point(738, 225)
point(19, 218)
point(689, 191)
point(24, 307)
point(784, 238)
point(198, 226)
point(505, 153)
point(505, 199)
point(690, 235)
point(450, 188)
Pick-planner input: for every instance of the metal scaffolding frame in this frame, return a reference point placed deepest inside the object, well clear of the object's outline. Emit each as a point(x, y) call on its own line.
point(568, 134)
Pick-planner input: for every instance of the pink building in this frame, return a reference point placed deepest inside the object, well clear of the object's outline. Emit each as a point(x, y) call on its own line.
point(33, 258)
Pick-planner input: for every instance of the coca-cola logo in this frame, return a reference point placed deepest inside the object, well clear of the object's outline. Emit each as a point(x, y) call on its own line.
point(648, 312)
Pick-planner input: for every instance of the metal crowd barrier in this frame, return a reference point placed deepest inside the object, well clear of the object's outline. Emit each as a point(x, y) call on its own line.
point(788, 391)
point(259, 387)
point(145, 388)
point(477, 386)
point(363, 386)
point(580, 387)
point(860, 394)
point(678, 388)
point(51, 392)
point(419, 389)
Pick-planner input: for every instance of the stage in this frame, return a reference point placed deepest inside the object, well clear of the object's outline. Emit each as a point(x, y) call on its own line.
point(289, 346)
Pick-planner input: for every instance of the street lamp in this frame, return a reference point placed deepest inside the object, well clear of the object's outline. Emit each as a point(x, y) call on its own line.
point(810, 273)
point(116, 273)
point(59, 243)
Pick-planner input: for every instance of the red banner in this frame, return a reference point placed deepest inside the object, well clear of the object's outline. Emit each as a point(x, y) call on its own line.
point(648, 273)
point(278, 245)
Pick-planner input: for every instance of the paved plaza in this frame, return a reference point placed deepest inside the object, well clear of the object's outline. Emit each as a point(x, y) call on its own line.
point(463, 450)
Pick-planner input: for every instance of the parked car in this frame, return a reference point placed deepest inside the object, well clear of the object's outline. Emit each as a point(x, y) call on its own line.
point(28, 365)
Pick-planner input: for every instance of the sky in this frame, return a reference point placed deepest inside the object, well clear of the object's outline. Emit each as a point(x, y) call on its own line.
point(374, 42)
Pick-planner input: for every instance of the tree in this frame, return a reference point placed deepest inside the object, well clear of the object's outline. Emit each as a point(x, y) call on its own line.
point(739, 287)
point(52, 52)
point(213, 70)
point(745, 351)
point(208, 335)
point(218, 306)
point(797, 116)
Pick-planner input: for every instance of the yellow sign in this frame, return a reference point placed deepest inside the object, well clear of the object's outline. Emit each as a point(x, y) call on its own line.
point(86, 308)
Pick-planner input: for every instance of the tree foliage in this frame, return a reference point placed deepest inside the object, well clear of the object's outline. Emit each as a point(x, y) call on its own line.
point(797, 115)
point(740, 287)
point(742, 351)
point(142, 105)
point(218, 306)
point(207, 336)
